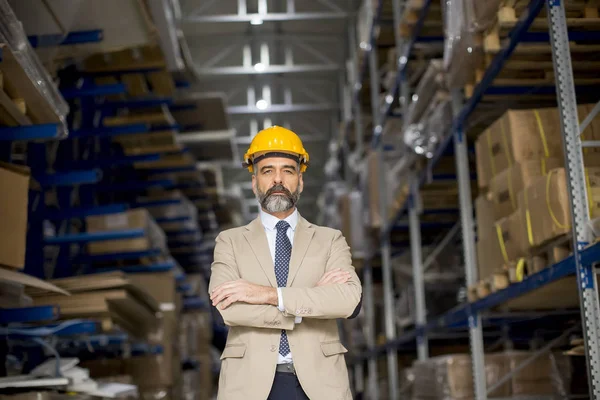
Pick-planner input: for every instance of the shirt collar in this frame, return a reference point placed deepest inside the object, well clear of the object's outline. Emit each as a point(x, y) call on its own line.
point(270, 221)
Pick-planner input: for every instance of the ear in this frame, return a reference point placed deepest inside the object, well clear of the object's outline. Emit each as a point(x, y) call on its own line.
point(254, 183)
point(300, 183)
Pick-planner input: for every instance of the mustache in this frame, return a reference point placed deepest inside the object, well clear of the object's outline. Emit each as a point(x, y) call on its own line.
point(278, 188)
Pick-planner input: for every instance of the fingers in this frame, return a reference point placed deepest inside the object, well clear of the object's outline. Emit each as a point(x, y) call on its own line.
point(228, 301)
point(224, 293)
point(224, 286)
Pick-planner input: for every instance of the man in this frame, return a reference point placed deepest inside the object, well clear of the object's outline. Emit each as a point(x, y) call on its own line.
point(280, 283)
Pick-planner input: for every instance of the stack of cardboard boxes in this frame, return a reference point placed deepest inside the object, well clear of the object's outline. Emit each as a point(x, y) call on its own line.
point(523, 201)
point(195, 342)
point(450, 376)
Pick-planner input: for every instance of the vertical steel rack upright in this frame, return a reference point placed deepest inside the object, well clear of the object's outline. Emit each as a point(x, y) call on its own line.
point(580, 264)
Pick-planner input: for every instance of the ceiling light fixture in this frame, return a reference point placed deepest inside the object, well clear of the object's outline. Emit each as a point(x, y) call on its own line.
point(262, 104)
point(256, 21)
point(259, 67)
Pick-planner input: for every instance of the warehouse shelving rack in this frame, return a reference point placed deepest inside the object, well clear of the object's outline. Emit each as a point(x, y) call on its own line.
point(78, 181)
point(584, 255)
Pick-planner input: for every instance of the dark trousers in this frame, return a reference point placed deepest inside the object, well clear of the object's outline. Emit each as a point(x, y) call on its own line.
point(286, 387)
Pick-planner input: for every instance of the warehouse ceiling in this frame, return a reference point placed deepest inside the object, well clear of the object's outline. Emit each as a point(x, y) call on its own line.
point(274, 62)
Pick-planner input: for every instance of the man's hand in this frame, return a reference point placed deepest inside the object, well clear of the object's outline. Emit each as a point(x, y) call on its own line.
point(242, 291)
point(335, 276)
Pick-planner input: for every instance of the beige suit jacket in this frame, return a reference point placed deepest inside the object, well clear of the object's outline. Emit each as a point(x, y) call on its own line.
point(251, 353)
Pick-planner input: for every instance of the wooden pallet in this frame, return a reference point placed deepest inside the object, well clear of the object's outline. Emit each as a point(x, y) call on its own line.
point(581, 14)
point(489, 285)
point(541, 257)
point(530, 64)
point(433, 24)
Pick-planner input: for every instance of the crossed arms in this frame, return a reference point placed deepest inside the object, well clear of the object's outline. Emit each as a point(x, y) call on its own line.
point(241, 303)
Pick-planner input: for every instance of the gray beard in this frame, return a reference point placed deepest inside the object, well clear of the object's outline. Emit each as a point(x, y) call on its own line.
point(276, 203)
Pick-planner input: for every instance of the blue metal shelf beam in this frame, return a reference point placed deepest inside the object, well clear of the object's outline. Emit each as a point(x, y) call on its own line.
point(76, 37)
point(132, 255)
point(157, 203)
point(66, 328)
point(111, 130)
point(82, 212)
point(95, 236)
point(115, 161)
point(94, 90)
point(29, 132)
point(136, 186)
point(461, 314)
point(142, 269)
point(138, 103)
point(70, 178)
point(28, 314)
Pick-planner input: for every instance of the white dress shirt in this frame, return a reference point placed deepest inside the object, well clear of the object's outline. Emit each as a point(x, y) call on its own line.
point(269, 222)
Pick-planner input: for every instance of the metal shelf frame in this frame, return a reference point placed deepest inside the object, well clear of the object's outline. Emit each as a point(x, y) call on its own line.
point(470, 314)
point(87, 175)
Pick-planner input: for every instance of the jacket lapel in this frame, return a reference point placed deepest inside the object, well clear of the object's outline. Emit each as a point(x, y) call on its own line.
point(302, 237)
point(256, 237)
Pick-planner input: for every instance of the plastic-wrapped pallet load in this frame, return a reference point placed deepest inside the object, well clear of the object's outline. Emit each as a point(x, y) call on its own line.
point(429, 86)
point(424, 137)
point(364, 20)
point(29, 79)
point(463, 50)
point(549, 374)
point(481, 15)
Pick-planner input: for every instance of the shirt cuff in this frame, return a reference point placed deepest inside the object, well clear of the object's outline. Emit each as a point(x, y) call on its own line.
point(297, 320)
point(280, 300)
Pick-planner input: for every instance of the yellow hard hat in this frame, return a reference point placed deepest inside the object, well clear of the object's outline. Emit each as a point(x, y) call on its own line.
point(276, 141)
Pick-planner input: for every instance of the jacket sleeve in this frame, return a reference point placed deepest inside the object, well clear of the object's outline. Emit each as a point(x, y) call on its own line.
point(224, 269)
point(330, 301)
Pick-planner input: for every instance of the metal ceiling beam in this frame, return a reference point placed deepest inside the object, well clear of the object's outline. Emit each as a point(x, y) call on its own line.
point(268, 69)
point(205, 136)
point(282, 108)
point(268, 17)
point(243, 37)
point(305, 138)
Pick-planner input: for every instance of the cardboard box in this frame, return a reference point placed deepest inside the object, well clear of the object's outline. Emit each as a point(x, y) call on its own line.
point(521, 135)
point(138, 218)
point(489, 253)
point(451, 377)
point(485, 215)
point(544, 205)
point(14, 186)
point(160, 285)
point(151, 371)
point(510, 233)
point(506, 186)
